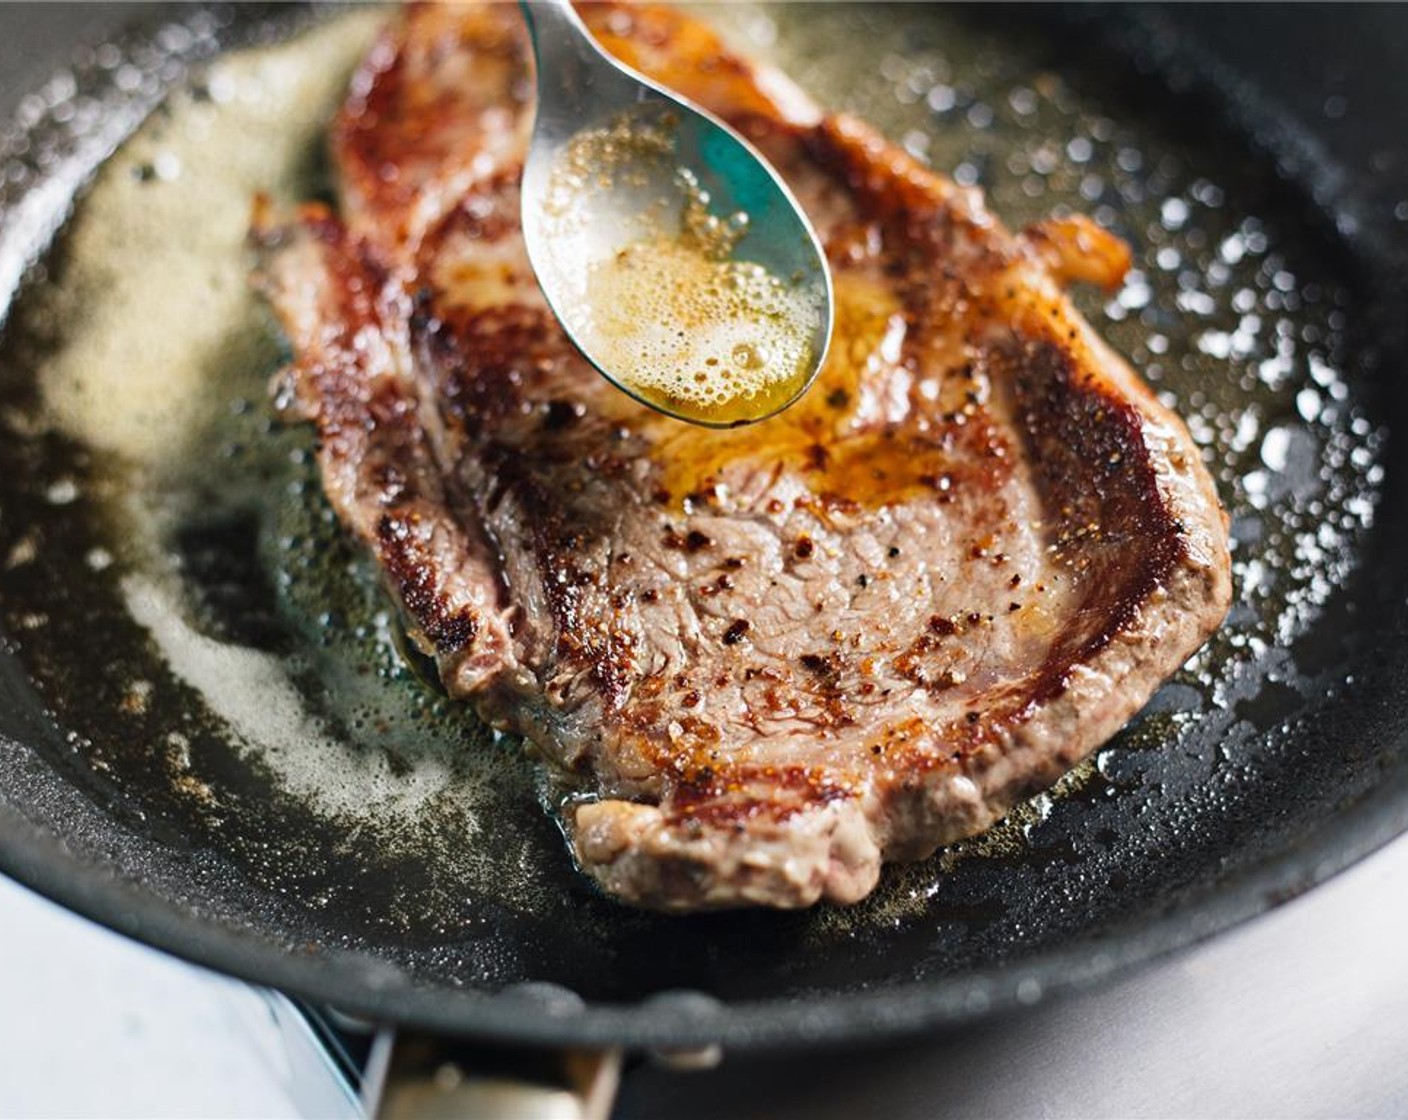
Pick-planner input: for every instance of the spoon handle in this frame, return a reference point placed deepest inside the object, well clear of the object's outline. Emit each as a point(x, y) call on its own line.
point(568, 59)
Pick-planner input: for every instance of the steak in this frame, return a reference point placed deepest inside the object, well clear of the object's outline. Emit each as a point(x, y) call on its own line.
point(761, 661)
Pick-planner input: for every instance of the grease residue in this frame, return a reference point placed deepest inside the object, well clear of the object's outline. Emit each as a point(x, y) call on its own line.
point(157, 356)
point(251, 692)
point(155, 309)
point(156, 365)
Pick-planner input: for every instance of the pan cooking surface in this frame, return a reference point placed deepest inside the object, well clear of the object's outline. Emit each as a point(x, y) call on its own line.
point(204, 692)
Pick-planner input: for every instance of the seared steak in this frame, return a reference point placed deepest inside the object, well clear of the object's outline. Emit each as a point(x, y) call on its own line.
point(768, 659)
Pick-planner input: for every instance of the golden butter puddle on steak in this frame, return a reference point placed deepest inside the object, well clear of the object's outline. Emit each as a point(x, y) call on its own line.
point(824, 434)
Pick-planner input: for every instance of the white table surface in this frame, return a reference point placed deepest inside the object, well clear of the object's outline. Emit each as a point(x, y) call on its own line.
point(1301, 1013)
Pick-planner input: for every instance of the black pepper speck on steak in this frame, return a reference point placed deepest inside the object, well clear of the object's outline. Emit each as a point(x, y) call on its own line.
point(777, 656)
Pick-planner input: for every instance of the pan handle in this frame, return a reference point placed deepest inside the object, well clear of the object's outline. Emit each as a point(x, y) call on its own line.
point(414, 1076)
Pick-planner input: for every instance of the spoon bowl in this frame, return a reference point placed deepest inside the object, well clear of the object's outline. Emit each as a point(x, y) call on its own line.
point(673, 255)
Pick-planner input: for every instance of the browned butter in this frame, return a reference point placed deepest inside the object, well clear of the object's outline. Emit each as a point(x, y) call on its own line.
point(672, 316)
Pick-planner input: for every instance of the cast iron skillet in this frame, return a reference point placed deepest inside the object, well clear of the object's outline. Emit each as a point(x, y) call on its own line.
point(1212, 811)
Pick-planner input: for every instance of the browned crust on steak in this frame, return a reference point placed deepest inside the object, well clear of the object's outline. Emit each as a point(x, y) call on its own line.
point(777, 656)
point(353, 383)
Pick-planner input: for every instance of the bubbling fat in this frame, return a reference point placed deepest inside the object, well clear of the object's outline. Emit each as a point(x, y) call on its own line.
point(714, 340)
point(672, 316)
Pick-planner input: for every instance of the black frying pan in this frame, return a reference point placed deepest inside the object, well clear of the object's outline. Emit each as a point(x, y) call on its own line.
point(1281, 757)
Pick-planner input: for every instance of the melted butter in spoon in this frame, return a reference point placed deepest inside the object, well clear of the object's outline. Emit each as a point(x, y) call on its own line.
point(668, 312)
point(691, 330)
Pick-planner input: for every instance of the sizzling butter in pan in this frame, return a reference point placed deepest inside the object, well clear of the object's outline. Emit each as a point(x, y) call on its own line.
point(205, 696)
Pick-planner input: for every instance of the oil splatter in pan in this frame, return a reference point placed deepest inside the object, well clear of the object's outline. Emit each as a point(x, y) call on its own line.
point(170, 520)
point(1240, 331)
point(238, 694)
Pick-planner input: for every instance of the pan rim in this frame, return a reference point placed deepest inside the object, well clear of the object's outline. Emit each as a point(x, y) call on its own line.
point(41, 862)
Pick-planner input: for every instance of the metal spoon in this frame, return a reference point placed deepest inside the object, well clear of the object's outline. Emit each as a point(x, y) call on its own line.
point(598, 180)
